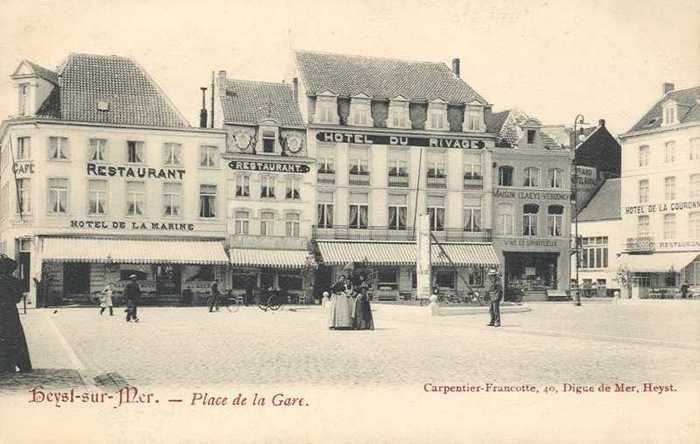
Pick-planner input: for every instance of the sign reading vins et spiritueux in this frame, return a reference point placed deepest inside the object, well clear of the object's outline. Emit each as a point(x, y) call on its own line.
point(399, 140)
point(268, 166)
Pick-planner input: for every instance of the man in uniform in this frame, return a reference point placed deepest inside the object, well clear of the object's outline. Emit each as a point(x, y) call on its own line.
point(495, 292)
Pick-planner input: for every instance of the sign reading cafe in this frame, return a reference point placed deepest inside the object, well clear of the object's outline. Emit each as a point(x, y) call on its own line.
point(129, 171)
point(400, 140)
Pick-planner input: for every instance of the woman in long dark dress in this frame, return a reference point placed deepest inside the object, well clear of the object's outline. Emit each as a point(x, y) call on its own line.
point(362, 312)
point(14, 353)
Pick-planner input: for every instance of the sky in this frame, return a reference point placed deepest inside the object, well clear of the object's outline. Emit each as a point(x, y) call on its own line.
point(552, 59)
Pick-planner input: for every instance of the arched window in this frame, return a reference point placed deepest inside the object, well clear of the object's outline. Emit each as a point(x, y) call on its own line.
point(505, 176)
point(532, 177)
point(530, 219)
point(555, 219)
point(505, 220)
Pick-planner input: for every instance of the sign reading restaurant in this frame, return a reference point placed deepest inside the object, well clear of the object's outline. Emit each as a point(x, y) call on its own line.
point(399, 140)
point(268, 167)
point(129, 171)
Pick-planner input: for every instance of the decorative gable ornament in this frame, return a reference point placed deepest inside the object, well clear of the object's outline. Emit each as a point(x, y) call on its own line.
point(244, 138)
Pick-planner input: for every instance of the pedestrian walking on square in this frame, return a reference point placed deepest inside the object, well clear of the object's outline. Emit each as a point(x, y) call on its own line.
point(362, 311)
point(684, 290)
point(495, 292)
point(340, 315)
point(214, 297)
point(133, 297)
point(14, 353)
point(106, 300)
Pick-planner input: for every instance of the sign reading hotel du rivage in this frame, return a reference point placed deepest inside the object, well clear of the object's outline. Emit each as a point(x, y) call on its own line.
point(399, 140)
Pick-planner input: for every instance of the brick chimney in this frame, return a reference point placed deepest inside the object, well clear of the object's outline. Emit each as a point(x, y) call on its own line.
point(668, 87)
point(601, 123)
point(295, 89)
point(455, 67)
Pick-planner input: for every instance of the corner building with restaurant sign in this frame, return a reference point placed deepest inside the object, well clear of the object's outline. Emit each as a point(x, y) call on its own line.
point(101, 178)
point(660, 205)
point(392, 139)
point(270, 180)
point(531, 188)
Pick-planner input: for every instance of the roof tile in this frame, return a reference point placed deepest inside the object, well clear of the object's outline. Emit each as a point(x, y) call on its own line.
point(605, 205)
point(688, 109)
point(249, 102)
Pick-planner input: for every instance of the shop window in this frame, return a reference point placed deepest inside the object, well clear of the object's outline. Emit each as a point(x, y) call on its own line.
point(58, 148)
point(388, 277)
point(24, 193)
point(290, 282)
point(644, 155)
point(76, 278)
point(267, 280)
point(267, 187)
point(506, 219)
point(135, 198)
point(97, 150)
point(267, 223)
point(505, 176)
point(58, 196)
point(669, 226)
point(124, 274)
point(472, 219)
point(670, 188)
point(532, 177)
point(134, 152)
point(207, 201)
point(670, 280)
point(244, 279)
point(555, 219)
point(437, 218)
point(24, 148)
point(414, 280)
point(268, 139)
point(204, 273)
point(242, 185)
point(641, 280)
point(325, 215)
point(476, 277)
point(208, 156)
point(241, 222)
point(172, 154)
point(359, 215)
point(292, 224)
point(172, 199)
point(445, 279)
point(97, 197)
point(293, 187)
point(530, 219)
point(643, 191)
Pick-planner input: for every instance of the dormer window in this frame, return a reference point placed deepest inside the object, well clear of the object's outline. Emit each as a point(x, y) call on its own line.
point(268, 141)
point(398, 113)
point(670, 113)
point(23, 98)
point(326, 108)
point(531, 136)
point(360, 111)
point(474, 118)
point(437, 115)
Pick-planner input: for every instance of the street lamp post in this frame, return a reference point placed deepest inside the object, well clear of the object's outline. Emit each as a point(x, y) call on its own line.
point(578, 120)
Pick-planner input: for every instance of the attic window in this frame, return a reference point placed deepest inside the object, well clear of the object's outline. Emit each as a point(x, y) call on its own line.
point(230, 92)
point(530, 136)
point(651, 121)
point(102, 106)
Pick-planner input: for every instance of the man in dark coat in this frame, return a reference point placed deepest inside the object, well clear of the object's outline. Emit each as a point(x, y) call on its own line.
point(214, 297)
point(496, 295)
point(362, 311)
point(133, 297)
point(14, 353)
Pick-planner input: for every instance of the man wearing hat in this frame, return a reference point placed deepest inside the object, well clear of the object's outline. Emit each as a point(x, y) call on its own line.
point(14, 353)
point(495, 296)
point(133, 297)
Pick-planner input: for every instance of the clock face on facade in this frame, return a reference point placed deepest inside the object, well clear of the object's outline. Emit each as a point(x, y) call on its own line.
point(294, 144)
point(242, 141)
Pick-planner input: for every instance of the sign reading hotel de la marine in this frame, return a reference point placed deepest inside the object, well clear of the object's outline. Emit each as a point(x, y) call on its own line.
point(400, 140)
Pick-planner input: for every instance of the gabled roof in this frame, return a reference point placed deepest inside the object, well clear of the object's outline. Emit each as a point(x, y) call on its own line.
point(133, 97)
point(249, 102)
point(605, 205)
point(507, 125)
point(385, 78)
point(39, 70)
point(688, 101)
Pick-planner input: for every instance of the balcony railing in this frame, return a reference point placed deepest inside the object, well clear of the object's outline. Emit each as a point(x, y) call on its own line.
point(436, 182)
point(398, 181)
point(472, 182)
point(642, 244)
point(326, 177)
point(359, 179)
point(407, 234)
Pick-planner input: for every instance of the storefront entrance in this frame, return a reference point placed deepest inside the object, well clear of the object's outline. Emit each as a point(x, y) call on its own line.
point(531, 271)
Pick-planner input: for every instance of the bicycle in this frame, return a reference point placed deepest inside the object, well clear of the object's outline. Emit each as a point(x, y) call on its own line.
point(273, 302)
point(230, 302)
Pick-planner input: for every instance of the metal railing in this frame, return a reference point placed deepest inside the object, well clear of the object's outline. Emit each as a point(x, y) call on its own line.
point(404, 234)
point(436, 182)
point(326, 177)
point(398, 181)
point(358, 179)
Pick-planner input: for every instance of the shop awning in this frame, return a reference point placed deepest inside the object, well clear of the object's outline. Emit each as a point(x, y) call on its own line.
point(128, 251)
point(657, 262)
point(404, 253)
point(249, 257)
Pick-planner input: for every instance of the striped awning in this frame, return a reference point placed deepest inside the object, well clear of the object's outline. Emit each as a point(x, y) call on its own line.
point(658, 262)
point(249, 257)
point(404, 253)
point(129, 251)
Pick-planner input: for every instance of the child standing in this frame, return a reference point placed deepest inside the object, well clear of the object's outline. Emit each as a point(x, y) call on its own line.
point(106, 300)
